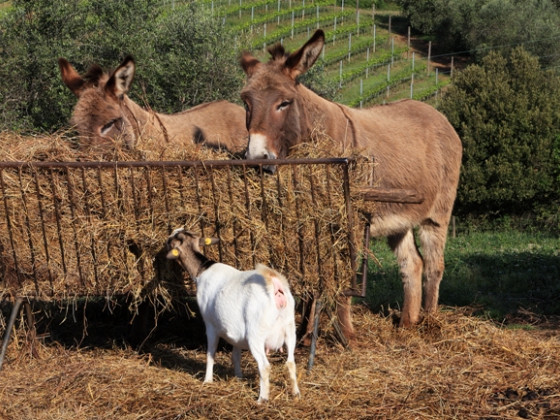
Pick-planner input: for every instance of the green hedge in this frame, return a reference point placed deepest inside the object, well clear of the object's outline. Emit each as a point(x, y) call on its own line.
point(507, 113)
point(183, 56)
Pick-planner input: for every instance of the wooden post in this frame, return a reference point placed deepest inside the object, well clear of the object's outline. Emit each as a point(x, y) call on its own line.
point(429, 57)
point(358, 17)
point(453, 227)
point(390, 195)
point(408, 45)
point(452, 65)
point(293, 17)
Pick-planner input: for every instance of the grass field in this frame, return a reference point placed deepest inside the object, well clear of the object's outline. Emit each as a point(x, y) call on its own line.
point(501, 275)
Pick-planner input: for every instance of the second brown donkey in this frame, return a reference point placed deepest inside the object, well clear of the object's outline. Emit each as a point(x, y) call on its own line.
point(104, 112)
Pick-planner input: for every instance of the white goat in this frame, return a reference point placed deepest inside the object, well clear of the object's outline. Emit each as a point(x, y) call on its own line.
point(249, 309)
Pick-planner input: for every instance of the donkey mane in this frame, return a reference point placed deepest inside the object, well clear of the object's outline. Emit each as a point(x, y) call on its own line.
point(277, 51)
point(94, 75)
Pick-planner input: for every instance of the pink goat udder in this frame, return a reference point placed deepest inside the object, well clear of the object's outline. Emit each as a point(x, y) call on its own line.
point(279, 296)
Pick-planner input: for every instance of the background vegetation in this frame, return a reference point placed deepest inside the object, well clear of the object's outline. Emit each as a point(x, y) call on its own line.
point(504, 104)
point(184, 55)
point(507, 112)
point(480, 26)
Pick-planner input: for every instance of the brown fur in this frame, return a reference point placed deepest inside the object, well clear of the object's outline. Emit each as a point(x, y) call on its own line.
point(104, 114)
point(414, 145)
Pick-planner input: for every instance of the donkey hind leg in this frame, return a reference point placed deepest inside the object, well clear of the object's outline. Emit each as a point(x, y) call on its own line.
point(432, 242)
point(410, 264)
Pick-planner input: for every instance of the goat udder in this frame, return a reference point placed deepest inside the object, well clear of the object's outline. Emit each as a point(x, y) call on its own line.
point(279, 295)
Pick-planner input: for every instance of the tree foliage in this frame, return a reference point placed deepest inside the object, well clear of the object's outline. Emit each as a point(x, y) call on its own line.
point(507, 113)
point(481, 25)
point(184, 57)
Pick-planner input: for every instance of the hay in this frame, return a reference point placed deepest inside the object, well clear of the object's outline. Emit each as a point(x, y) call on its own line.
point(70, 232)
point(451, 366)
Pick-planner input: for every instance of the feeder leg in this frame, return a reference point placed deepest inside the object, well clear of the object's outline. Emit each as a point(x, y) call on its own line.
point(310, 321)
point(13, 315)
point(315, 335)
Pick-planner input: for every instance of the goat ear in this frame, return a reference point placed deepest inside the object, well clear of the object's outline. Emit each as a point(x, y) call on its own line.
point(121, 79)
point(249, 63)
point(208, 241)
point(173, 254)
point(70, 76)
point(300, 61)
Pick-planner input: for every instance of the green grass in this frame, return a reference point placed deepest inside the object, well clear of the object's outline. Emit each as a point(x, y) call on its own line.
point(497, 274)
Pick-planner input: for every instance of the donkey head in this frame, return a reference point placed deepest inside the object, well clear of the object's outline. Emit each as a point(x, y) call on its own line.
point(99, 115)
point(275, 116)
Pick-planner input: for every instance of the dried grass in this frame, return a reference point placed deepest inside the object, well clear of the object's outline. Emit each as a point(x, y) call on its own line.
point(451, 366)
point(72, 232)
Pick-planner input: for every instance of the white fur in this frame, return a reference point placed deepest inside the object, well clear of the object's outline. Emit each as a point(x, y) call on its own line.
point(239, 306)
point(258, 147)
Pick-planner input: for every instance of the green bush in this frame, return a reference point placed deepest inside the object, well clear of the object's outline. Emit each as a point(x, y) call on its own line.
point(184, 57)
point(507, 113)
point(481, 25)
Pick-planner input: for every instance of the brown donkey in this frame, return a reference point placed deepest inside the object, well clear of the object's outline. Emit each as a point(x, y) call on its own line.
point(105, 112)
point(414, 145)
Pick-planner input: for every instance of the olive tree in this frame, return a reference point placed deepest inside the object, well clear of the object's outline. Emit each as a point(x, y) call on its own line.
point(507, 113)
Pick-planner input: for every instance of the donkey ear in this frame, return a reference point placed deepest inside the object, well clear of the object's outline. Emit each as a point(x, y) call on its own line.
point(300, 61)
point(248, 63)
point(119, 82)
point(70, 76)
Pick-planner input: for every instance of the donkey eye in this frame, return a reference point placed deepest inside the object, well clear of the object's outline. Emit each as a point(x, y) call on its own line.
point(105, 129)
point(283, 105)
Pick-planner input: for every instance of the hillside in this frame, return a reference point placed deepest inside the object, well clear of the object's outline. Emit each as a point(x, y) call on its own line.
point(368, 58)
